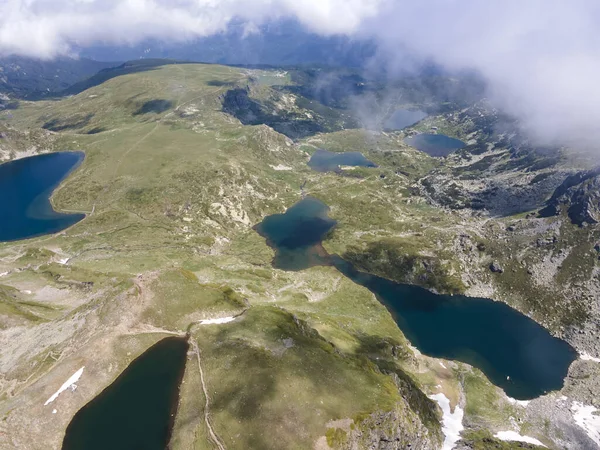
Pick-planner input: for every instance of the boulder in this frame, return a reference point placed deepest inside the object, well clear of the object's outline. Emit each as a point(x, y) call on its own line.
point(496, 268)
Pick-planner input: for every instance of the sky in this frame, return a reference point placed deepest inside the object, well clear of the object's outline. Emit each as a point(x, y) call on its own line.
point(540, 58)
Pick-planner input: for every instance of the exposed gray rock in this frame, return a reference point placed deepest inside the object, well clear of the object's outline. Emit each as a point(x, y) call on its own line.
point(579, 194)
point(496, 268)
point(391, 431)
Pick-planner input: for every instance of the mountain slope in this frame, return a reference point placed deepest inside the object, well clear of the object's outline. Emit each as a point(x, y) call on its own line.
point(173, 182)
point(23, 77)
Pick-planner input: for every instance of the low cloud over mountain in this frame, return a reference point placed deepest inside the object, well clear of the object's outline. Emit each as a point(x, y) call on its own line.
point(541, 58)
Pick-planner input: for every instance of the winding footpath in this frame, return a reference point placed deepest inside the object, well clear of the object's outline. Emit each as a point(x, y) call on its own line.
point(211, 432)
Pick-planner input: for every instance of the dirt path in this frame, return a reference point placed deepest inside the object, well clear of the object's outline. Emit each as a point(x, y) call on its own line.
point(211, 432)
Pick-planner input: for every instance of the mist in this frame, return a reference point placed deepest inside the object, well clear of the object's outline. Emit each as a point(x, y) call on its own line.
point(540, 59)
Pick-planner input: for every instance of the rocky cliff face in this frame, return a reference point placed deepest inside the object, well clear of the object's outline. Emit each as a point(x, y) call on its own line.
point(579, 195)
point(391, 431)
point(414, 423)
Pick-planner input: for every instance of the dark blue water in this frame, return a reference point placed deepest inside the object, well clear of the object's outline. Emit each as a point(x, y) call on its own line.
point(403, 118)
point(26, 186)
point(434, 144)
point(324, 161)
point(138, 409)
point(513, 351)
point(296, 235)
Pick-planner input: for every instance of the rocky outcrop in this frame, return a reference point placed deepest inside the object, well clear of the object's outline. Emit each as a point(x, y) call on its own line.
point(390, 431)
point(398, 429)
point(579, 195)
point(399, 260)
point(413, 424)
point(496, 267)
point(291, 121)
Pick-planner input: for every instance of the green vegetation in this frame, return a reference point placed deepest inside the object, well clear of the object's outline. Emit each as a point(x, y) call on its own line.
point(399, 260)
point(484, 404)
point(15, 308)
point(336, 437)
point(179, 300)
point(286, 364)
point(172, 184)
point(483, 440)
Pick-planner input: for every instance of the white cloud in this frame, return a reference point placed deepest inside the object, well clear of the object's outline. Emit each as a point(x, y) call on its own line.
point(540, 57)
point(46, 28)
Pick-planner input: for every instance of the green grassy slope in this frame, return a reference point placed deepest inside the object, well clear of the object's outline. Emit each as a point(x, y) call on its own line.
point(172, 186)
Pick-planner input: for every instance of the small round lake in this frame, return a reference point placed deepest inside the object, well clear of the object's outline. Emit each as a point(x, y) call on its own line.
point(137, 410)
point(26, 185)
point(515, 352)
point(324, 161)
point(297, 234)
point(403, 118)
point(434, 144)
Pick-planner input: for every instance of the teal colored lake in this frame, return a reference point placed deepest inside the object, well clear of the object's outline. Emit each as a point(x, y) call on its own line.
point(137, 410)
point(403, 118)
point(296, 235)
point(26, 185)
point(324, 161)
point(434, 144)
point(514, 352)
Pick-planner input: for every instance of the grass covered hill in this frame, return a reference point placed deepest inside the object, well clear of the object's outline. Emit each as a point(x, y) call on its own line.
point(181, 161)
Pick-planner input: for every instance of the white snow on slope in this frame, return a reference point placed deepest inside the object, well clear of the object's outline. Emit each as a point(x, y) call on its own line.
point(514, 436)
point(217, 321)
point(587, 417)
point(66, 385)
point(586, 357)
point(514, 401)
point(451, 422)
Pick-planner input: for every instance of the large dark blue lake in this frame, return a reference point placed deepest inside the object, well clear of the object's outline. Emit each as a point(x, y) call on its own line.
point(403, 118)
point(137, 410)
point(513, 351)
point(26, 185)
point(434, 144)
point(324, 161)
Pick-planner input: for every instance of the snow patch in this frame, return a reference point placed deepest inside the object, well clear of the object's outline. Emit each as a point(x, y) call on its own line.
point(217, 321)
point(514, 401)
point(451, 422)
point(584, 417)
point(586, 357)
point(70, 383)
point(442, 364)
point(514, 436)
point(63, 261)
